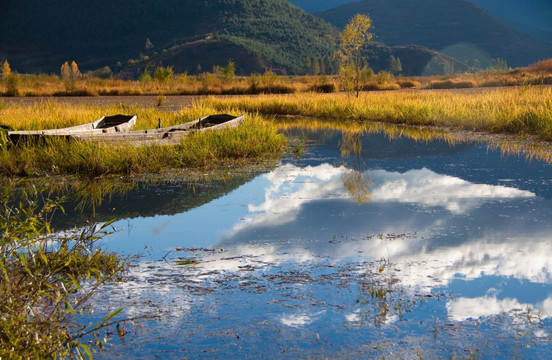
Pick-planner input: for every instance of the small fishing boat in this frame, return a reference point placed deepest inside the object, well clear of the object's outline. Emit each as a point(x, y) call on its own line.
point(104, 125)
point(166, 135)
point(116, 129)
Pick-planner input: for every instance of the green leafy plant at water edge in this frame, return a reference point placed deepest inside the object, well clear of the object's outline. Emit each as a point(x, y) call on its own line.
point(47, 280)
point(161, 100)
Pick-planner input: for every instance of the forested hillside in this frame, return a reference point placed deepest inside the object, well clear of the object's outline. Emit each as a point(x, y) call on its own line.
point(459, 28)
point(318, 5)
point(40, 35)
point(189, 35)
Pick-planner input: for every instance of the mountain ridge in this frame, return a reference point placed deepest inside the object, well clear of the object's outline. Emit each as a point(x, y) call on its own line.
point(130, 35)
point(529, 16)
point(450, 26)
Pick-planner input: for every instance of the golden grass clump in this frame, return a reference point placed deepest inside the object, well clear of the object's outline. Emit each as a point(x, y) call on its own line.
point(451, 84)
point(541, 66)
point(253, 141)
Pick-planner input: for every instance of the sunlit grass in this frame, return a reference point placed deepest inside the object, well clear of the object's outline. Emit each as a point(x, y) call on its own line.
point(214, 84)
point(254, 140)
point(51, 115)
point(520, 111)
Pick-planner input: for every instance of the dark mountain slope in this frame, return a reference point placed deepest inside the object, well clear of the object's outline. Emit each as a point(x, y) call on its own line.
point(444, 25)
point(39, 35)
point(318, 5)
point(530, 16)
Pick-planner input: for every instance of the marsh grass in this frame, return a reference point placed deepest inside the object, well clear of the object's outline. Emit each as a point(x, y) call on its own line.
point(523, 111)
point(268, 83)
point(52, 115)
point(253, 141)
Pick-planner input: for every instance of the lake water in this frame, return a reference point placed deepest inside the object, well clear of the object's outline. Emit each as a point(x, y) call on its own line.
point(364, 247)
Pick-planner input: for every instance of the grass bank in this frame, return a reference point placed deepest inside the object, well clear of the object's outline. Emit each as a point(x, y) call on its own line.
point(525, 111)
point(253, 141)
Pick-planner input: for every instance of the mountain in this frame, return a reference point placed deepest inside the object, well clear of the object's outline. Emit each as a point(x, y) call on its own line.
point(458, 28)
point(38, 36)
point(318, 5)
point(533, 17)
point(189, 35)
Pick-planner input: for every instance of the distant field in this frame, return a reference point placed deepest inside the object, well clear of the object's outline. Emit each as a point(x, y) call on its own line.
point(175, 102)
point(18, 85)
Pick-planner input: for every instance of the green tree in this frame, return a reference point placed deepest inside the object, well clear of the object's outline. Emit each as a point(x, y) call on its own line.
point(366, 75)
point(308, 65)
point(163, 74)
point(322, 67)
point(476, 65)
point(435, 66)
point(315, 66)
point(149, 44)
point(102, 73)
point(354, 40)
point(229, 72)
point(499, 64)
point(395, 66)
point(145, 76)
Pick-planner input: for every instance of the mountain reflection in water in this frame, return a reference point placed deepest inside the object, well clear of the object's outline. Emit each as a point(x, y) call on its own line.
point(294, 260)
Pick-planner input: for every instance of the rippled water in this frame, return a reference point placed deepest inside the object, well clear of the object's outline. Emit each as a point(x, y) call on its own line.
point(363, 247)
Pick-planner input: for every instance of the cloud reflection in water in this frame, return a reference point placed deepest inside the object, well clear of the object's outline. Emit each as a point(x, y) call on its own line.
point(434, 227)
point(300, 255)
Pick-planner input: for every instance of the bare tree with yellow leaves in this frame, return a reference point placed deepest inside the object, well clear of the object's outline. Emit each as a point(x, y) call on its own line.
point(70, 74)
point(70, 71)
point(354, 40)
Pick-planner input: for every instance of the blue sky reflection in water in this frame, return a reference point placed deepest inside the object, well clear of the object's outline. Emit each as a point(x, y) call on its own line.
point(402, 250)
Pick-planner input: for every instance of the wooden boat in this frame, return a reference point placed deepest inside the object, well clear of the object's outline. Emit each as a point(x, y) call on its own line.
point(114, 129)
point(104, 125)
point(166, 135)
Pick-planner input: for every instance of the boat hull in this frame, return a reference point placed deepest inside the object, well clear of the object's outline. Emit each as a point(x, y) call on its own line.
point(104, 125)
point(116, 129)
point(168, 135)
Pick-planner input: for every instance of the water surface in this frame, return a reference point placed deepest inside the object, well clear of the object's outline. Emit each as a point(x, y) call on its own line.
point(363, 247)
